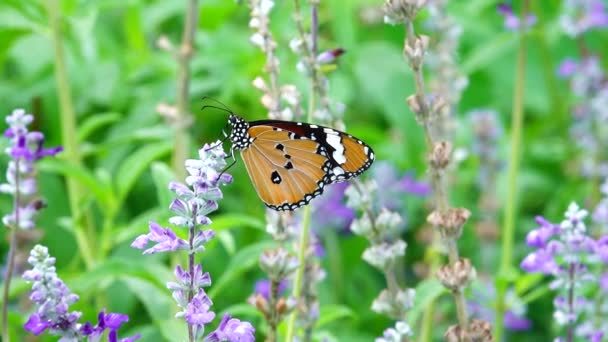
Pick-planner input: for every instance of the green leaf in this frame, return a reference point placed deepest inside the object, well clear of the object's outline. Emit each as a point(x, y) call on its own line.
point(246, 259)
point(158, 301)
point(488, 52)
point(102, 194)
point(527, 281)
point(95, 122)
point(330, 313)
point(227, 221)
point(135, 164)
point(426, 292)
point(227, 240)
point(242, 310)
point(139, 224)
point(162, 175)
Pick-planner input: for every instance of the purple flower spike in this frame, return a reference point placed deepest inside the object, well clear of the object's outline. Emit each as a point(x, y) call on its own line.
point(196, 198)
point(566, 252)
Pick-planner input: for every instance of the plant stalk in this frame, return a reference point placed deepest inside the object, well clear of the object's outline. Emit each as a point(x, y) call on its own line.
point(76, 192)
point(182, 122)
point(509, 217)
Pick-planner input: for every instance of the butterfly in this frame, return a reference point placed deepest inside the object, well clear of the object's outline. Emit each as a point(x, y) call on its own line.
point(290, 163)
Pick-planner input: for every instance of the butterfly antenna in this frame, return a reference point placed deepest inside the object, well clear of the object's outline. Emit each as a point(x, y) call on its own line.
point(218, 108)
point(224, 107)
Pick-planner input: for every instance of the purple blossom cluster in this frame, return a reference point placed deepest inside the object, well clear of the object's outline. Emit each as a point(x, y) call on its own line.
point(196, 199)
point(580, 16)
point(53, 299)
point(590, 112)
point(331, 209)
point(566, 252)
point(512, 21)
point(26, 148)
point(600, 213)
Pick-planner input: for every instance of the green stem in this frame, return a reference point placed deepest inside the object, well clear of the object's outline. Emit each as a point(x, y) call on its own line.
point(303, 246)
point(297, 285)
point(183, 56)
point(509, 217)
point(69, 139)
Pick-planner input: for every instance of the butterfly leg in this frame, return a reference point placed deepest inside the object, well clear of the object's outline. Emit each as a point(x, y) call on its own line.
point(231, 164)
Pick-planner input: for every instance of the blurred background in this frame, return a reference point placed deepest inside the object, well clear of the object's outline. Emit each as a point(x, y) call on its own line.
point(120, 78)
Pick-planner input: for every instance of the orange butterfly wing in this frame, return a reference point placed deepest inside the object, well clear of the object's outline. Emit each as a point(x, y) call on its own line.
point(351, 154)
point(286, 171)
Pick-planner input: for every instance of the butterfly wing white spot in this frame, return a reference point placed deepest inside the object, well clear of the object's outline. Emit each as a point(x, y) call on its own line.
point(334, 141)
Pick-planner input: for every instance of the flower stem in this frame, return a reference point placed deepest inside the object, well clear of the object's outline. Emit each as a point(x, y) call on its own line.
point(191, 234)
point(70, 141)
point(274, 315)
point(303, 246)
point(183, 56)
point(571, 271)
point(437, 175)
point(11, 255)
point(297, 285)
point(509, 218)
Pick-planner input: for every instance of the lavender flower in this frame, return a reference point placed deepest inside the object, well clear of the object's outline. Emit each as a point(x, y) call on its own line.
point(588, 84)
point(262, 287)
point(513, 22)
point(399, 333)
point(580, 16)
point(395, 186)
point(480, 305)
point(567, 253)
point(600, 213)
point(233, 330)
point(53, 299)
point(25, 149)
point(196, 199)
point(330, 209)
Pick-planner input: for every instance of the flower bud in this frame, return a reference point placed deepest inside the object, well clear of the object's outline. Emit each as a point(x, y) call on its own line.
point(456, 276)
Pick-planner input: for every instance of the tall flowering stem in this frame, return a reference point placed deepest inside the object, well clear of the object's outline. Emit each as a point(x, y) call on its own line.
point(448, 221)
point(308, 46)
point(52, 299)
point(196, 199)
point(282, 102)
point(25, 149)
point(566, 252)
point(380, 227)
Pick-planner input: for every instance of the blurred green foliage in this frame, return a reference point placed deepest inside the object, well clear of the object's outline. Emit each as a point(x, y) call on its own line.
point(118, 77)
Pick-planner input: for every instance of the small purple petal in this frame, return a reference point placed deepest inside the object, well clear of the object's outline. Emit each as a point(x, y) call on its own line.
point(504, 9)
point(262, 287)
point(514, 322)
point(197, 311)
point(35, 325)
point(140, 242)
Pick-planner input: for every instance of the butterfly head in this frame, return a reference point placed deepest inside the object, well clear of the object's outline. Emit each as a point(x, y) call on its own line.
point(239, 135)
